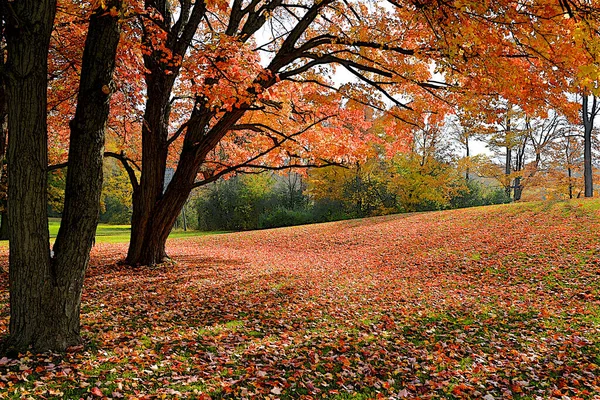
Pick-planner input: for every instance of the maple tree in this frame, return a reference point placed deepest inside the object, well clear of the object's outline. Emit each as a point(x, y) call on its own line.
point(230, 112)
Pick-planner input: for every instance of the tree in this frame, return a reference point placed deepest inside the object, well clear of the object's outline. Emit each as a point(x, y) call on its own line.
point(359, 190)
point(233, 113)
point(565, 159)
point(28, 29)
point(45, 289)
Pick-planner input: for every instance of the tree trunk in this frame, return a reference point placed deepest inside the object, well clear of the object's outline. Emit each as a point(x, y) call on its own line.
point(148, 237)
point(4, 225)
point(588, 125)
point(3, 166)
point(154, 160)
point(467, 147)
point(45, 293)
point(570, 174)
point(84, 175)
point(155, 148)
point(3, 179)
point(588, 174)
point(148, 248)
point(507, 171)
point(518, 189)
point(30, 274)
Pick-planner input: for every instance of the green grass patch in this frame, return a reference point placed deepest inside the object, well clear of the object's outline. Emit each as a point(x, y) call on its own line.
point(106, 233)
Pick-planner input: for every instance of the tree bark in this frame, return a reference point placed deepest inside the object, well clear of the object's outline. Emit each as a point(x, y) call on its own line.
point(84, 175)
point(468, 149)
point(149, 246)
point(507, 171)
point(570, 175)
point(45, 292)
point(518, 189)
point(519, 167)
point(31, 280)
point(588, 125)
point(154, 159)
point(3, 166)
point(4, 225)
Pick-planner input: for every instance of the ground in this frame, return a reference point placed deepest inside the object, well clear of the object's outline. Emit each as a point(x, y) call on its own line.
point(493, 302)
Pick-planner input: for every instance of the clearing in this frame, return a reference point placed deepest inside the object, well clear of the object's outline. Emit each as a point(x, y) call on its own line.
point(494, 302)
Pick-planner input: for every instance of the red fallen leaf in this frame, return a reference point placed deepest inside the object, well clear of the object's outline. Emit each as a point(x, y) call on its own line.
point(97, 392)
point(516, 389)
point(344, 360)
point(74, 349)
point(457, 391)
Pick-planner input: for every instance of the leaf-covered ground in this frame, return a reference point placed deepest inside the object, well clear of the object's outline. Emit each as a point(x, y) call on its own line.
point(497, 302)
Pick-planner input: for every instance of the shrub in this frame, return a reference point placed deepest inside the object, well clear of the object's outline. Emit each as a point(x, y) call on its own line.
point(284, 217)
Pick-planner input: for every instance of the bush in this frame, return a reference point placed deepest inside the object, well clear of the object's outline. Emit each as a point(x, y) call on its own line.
point(470, 195)
point(325, 210)
point(476, 194)
point(497, 196)
point(284, 217)
point(234, 204)
point(115, 212)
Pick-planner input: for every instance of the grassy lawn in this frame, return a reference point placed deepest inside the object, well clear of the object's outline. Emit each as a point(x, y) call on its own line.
point(106, 233)
point(499, 302)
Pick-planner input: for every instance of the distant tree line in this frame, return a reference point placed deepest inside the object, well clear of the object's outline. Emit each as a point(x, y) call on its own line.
point(374, 188)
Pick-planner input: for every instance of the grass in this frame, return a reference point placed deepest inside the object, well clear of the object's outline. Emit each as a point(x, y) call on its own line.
point(106, 233)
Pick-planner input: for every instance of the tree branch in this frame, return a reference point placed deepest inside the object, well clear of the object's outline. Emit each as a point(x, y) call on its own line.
point(127, 164)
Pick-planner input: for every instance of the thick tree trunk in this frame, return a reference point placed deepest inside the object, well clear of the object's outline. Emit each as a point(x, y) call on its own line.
point(154, 160)
point(45, 292)
point(3, 166)
point(148, 248)
point(31, 277)
point(84, 175)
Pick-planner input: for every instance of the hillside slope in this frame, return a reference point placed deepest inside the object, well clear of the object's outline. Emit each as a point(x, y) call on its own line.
point(499, 301)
